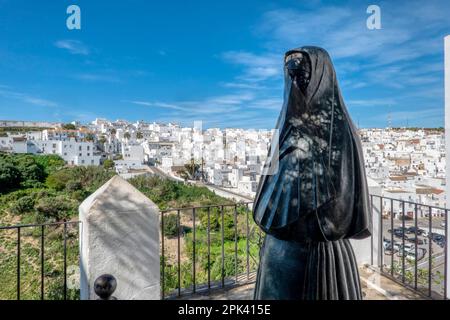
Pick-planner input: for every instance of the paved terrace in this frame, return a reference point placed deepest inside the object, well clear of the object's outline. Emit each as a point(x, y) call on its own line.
point(374, 286)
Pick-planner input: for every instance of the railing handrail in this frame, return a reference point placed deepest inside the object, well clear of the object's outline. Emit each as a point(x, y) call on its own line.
point(249, 233)
point(402, 253)
point(208, 206)
point(410, 202)
point(39, 224)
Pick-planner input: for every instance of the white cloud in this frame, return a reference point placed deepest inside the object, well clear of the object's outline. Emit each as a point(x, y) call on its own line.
point(73, 46)
point(256, 67)
point(26, 98)
point(97, 77)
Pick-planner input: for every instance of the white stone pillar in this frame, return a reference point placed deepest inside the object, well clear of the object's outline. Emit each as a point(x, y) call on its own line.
point(119, 235)
point(447, 142)
point(363, 248)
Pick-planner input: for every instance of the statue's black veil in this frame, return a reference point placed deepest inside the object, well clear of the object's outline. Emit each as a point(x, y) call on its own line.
point(321, 173)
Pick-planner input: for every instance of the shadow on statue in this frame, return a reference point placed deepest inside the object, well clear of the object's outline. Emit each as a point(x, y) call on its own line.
point(318, 198)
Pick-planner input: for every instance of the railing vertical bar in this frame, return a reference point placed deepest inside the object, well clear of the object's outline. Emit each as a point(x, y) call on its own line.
point(209, 248)
point(403, 241)
point(65, 260)
point(235, 245)
point(415, 247)
point(371, 236)
point(392, 237)
point(42, 262)
point(380, 241)
point(223, 250)
point(445, 255)
point(179, 251)
point(193, 250)
point(18, 263)
point(162, 256)
point(247, 244)
point(430, 248)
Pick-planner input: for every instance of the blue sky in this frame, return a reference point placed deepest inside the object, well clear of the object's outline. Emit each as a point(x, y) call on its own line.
point(216, 61)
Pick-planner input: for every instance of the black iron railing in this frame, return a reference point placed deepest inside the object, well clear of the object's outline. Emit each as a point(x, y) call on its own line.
point(211, 246)
point(412, 248)
point(33, 233)
point(218, 246)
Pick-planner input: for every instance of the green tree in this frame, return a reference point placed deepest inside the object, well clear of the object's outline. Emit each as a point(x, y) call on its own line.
point(69, 126)
point(54, 208)
point(90, 137)
point(127, 135)
point(32, 172)
point(22, 205)
point(102, 140)
point(139, 135)
point(170, 225)
point(108, 164)
point(191, 171)
point(59, 179)
point(10, 177)
point(50, 163)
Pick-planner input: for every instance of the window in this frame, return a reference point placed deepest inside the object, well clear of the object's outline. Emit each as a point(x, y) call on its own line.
point(88, 154)
point(88, 148)
point(79, 154)
point(79, 148)
point(82, 161)
point(65, 153)
point(92, 161)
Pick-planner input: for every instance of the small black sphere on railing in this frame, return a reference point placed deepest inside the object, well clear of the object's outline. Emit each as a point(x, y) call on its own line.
point(104, 287)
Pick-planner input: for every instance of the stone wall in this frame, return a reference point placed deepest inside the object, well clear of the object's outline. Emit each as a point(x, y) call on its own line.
point(119, 235)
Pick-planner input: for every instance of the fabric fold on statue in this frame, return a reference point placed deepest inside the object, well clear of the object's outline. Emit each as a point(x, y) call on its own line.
point(332, 272)
point(324, 270)
point(320, 162)
point(318, 198)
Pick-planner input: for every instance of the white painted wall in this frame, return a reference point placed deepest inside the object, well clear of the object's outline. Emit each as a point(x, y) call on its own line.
point(119, 235)
point(447, 138)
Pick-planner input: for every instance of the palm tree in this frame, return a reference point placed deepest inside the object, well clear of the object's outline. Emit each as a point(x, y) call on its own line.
point(191, 171)
point(127, 135)
point(139, 135)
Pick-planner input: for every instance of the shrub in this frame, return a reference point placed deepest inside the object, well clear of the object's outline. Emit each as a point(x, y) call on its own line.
point(170, 225)
point(30, 170)
point(216, 223)
point(228, 270)
point(22, 205)
point(108, 164)
point(58, 180)
point(50, 162)
point(73, 185)
point(10, 177)
point(54, 208)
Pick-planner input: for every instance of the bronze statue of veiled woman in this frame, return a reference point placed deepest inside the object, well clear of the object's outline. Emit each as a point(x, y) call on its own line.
point(318, 198)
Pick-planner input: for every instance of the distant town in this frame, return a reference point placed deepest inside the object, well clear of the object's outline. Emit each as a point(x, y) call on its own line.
point(408, 163)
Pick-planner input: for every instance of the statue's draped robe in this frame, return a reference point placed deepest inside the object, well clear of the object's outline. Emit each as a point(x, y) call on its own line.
point(317, 199)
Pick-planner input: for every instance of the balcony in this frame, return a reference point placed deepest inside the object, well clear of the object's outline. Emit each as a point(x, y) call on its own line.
point(212, 252)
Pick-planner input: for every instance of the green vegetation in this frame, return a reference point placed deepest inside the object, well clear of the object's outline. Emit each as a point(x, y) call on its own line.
point(15, 130)
point(169, 194)
point(69, 126)
point(108, 164)
point(235, 243)
point(40, 188)
point(36, 189)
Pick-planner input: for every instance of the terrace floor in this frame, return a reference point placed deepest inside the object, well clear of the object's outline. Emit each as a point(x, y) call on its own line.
point(374, 285)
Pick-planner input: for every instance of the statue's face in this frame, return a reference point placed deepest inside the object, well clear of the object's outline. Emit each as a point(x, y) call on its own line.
point(299, 69)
